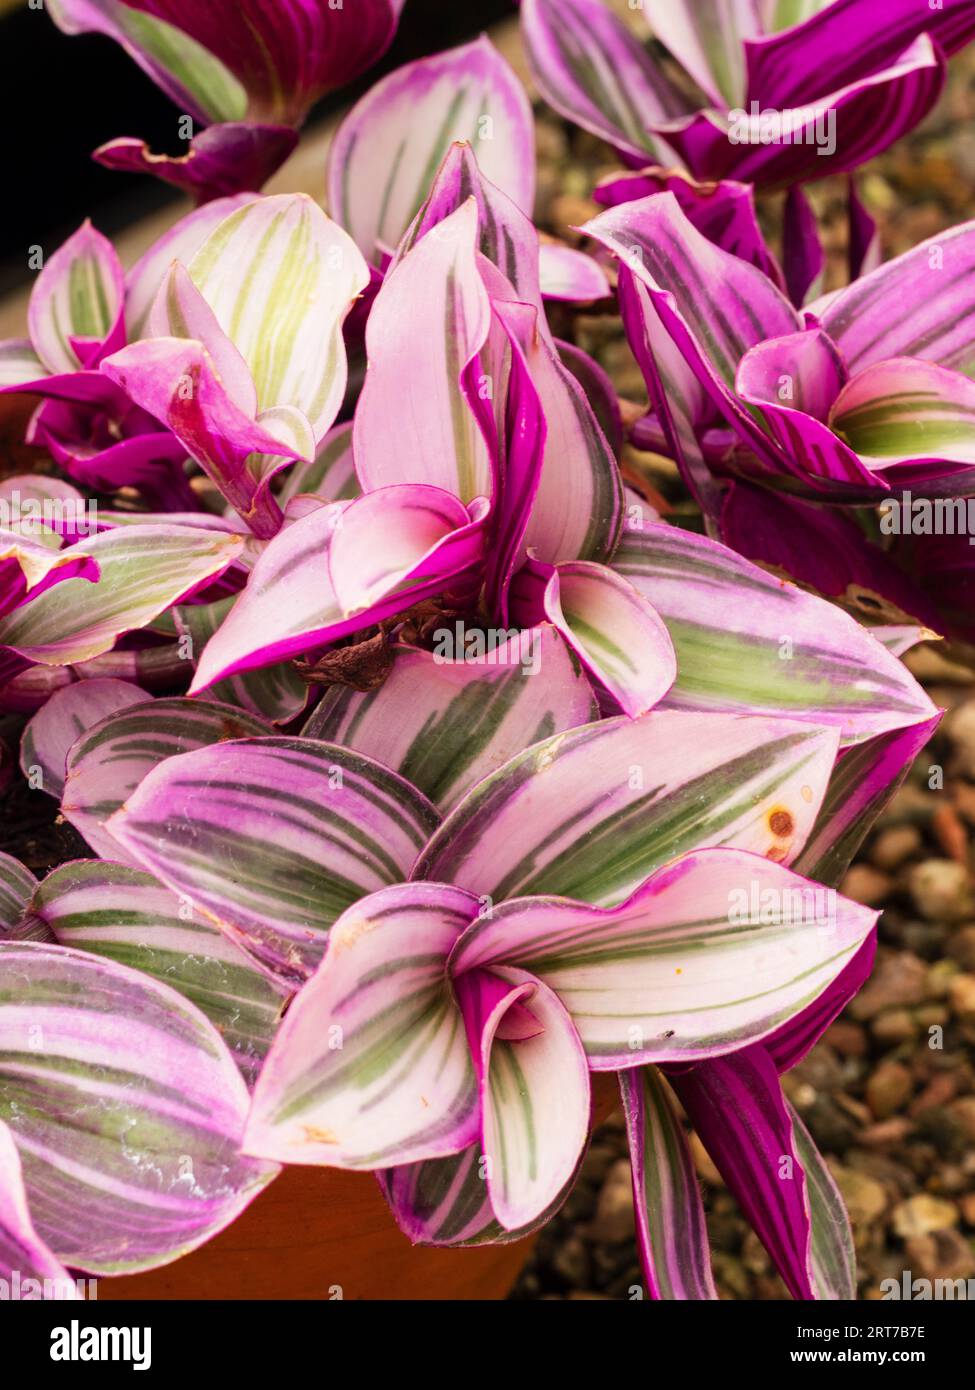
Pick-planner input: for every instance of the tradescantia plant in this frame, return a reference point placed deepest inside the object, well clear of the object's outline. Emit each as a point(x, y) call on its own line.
point(428, 773)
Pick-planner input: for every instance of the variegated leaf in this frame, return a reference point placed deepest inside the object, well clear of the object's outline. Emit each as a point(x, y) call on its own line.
point(670, 1223)
point(142, 571)
point(749, 641)
point(127, 916)
point(126, 1109)
point(109, 761)
point(444, 722)
point(48, 737)
point(17, 883)
point(592, 812)
point(388, 149)
point(712, 953)
point(274, 838)
point(372, 1064)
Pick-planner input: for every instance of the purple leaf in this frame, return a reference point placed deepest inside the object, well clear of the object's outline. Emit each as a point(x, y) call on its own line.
point(593, 70)
point(387, 151)
point(221, 161)
point(670, 1224)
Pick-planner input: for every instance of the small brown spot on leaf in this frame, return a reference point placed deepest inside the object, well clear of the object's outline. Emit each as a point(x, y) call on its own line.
point(314, 1135)
point(780, 823)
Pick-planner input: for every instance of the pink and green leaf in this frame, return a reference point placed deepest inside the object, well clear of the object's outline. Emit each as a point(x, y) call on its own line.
point(591, 813)
point(121, 914)
point(126, 1109)
point(443, 722)
point(386, 154)
point(273, 838)
point(671, 1229)
point(371, 1065)
point(111, 758)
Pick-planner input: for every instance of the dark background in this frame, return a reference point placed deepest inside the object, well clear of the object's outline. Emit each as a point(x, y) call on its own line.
point(62, 97)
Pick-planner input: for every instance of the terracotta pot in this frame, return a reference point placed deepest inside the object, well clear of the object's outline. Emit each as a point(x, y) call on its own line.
point(314, 1231)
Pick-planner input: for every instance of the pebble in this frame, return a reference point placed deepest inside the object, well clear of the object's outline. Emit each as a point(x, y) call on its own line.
point(613, 1220)
point(897, 979)
point(865, 1198)
point(941, 890)
point(960, 728)
point(961, 946)
point(866, 885)
point(571, 1261)
point(967, 1205)
point(941, 1255)
point(893, 846)
point(846, 1038)
point(961, 996)
point(922, 1214)
point(888, 1089)
point(963, 1110)
point(894, 1026)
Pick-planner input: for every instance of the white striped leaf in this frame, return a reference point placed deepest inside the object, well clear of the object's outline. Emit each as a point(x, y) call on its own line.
point(444, 724)
point(143, 570)
point(76, 302)
point(593, 70)
point(280, 278)
point(17, 883)
point(534, 1098)
point(747, 640)
point(48, 737)
point(387, 151)
point(126, 1109)
point(273, 838)
point(23, 1255)
point(592, 812)
point(180, 242)
point(109, 761)
point(276, 693)
point(372, 1065)
point(125, 915)
point(712, 953)
point(431, 318)
point(670, 1223)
